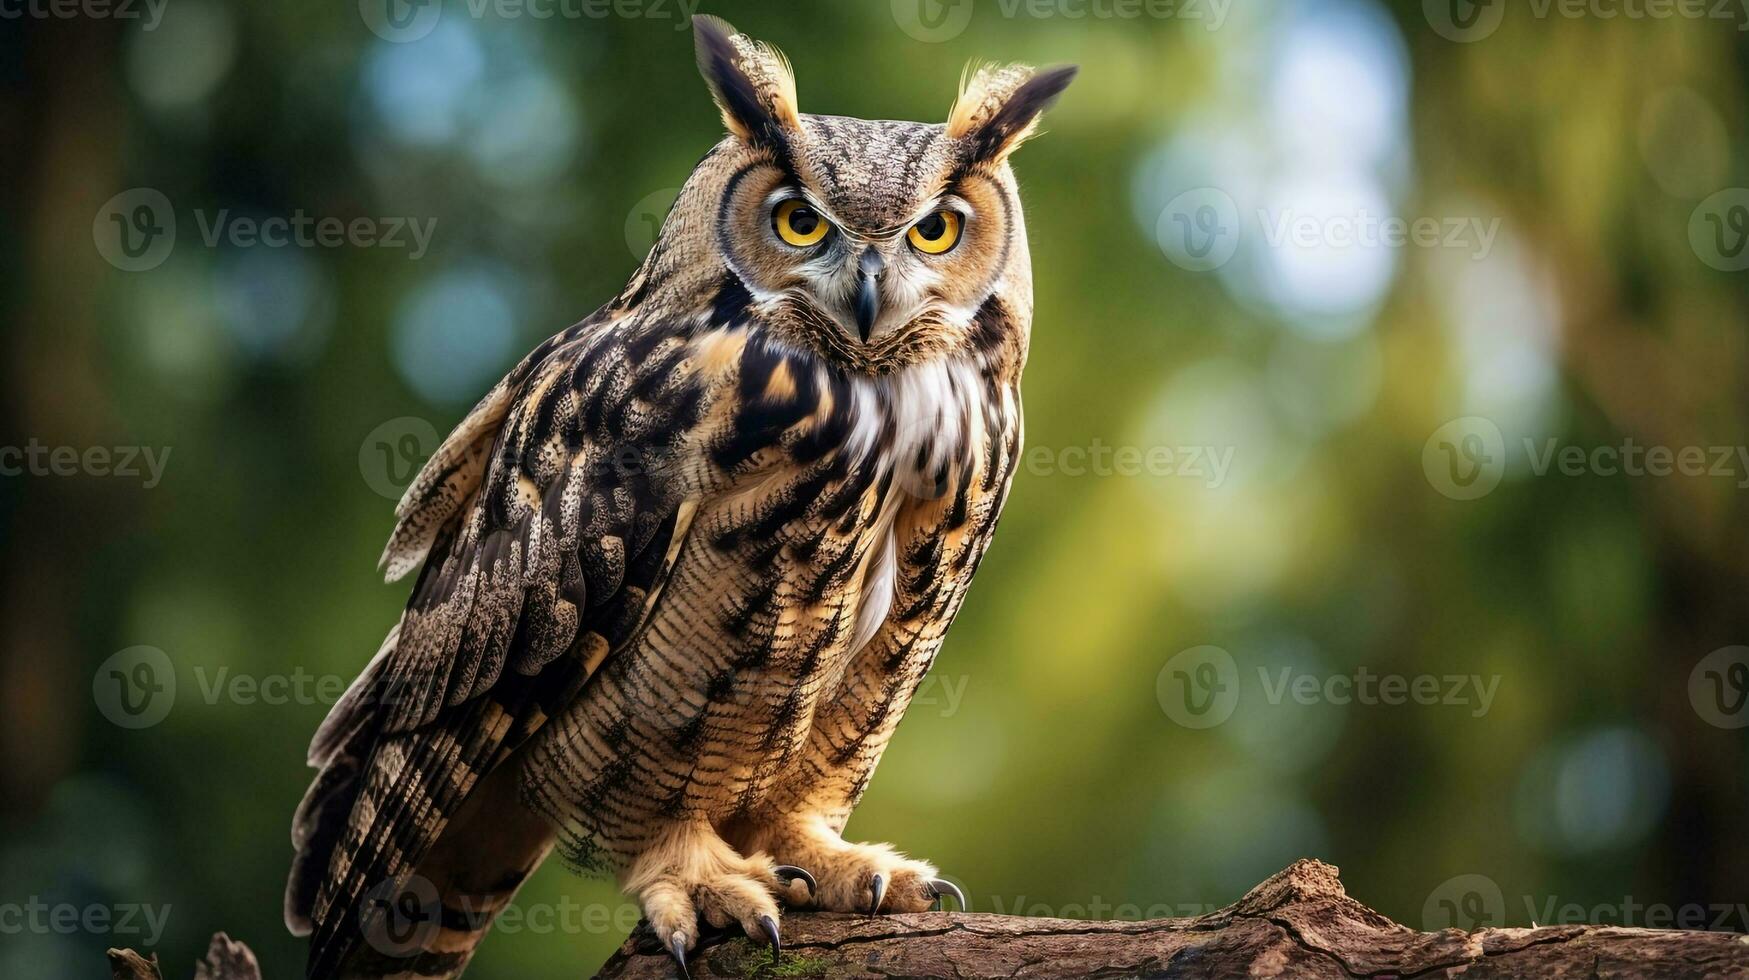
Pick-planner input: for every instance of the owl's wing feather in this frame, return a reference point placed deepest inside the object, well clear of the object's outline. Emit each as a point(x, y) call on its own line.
point(543, 523)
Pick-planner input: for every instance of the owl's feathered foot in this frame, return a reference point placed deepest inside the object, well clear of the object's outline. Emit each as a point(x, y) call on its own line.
point(688, 880)
point(867, 878)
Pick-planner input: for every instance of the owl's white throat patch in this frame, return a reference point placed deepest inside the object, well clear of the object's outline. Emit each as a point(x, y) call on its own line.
point(919, 420)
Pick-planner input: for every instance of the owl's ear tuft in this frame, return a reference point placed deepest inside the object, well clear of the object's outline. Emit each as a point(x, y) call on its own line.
point(999, 107)
point(751, 82)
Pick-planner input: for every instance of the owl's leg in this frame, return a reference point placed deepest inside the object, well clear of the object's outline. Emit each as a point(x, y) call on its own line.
point(688, 874)
point(800, 819)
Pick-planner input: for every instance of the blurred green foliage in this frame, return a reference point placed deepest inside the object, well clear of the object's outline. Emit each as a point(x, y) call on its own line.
point(1046, 766)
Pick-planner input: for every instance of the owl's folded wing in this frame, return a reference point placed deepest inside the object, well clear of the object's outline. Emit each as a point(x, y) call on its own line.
point(544, 524)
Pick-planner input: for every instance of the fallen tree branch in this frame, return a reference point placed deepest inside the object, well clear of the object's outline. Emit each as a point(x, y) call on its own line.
point(1298, 924)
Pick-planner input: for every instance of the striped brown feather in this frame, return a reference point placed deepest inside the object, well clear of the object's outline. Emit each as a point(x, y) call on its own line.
point(542, 524)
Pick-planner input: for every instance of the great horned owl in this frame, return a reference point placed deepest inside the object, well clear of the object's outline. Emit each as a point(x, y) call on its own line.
point(682, 570)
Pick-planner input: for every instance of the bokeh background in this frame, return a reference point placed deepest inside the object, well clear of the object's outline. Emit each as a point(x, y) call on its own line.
point(1157, 692)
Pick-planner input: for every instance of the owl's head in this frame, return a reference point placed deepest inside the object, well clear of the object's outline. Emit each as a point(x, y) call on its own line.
point(875, 242)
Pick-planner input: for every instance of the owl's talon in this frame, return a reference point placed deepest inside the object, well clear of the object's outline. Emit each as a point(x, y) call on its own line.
point(788, 873)
point(770, 926)
point(880, 892)
point(939, 887)
point(677, 949)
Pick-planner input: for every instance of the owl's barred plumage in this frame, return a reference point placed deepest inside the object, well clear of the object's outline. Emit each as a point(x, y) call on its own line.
point(683, 569)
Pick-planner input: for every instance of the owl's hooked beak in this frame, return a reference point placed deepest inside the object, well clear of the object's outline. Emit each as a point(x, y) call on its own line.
point(868, 295)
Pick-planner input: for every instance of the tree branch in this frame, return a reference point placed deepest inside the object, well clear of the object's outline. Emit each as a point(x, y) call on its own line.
point(1298, 924)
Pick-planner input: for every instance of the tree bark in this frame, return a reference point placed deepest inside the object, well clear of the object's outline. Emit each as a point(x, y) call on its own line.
point(1298, 924)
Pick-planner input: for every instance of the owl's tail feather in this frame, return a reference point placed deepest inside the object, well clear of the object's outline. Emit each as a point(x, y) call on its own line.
point(340, 753)
point(447, 906)
point(448, 893)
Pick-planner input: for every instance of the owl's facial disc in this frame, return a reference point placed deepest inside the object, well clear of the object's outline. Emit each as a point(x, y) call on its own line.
point(933, 262)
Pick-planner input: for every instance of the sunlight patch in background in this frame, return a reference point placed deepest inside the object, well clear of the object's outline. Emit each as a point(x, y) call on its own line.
point(418, 93)
point(488, 96)
point(277, 303)
point(1501, 318)
point(1321, 142)
point(176, 66)
point(456, 334)
point(1601, 790)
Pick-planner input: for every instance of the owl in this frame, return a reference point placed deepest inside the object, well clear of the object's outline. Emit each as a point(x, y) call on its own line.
point(681, 571)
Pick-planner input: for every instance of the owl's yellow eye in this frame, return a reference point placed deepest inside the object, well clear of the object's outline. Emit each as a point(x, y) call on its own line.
point(936, 233)
point(798, 224)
